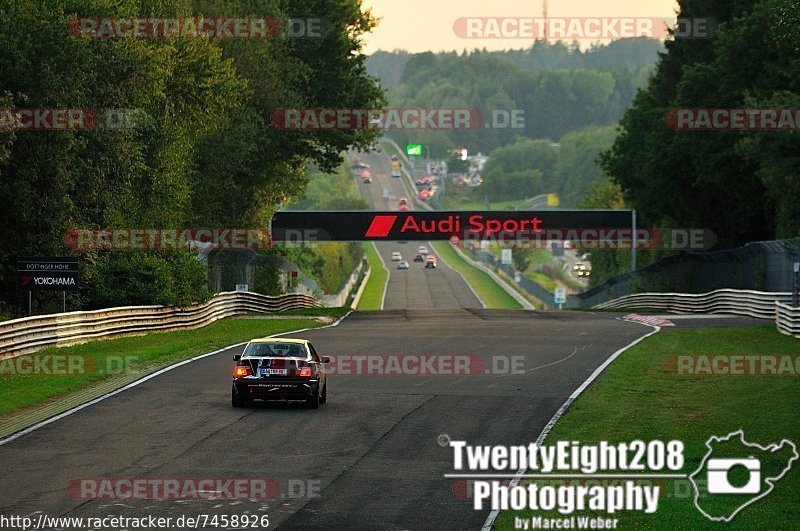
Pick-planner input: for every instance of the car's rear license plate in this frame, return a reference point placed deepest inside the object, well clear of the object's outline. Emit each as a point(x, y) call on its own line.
point(274, 372)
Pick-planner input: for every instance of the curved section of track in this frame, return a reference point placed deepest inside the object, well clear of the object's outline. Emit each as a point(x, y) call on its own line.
point(371, 450)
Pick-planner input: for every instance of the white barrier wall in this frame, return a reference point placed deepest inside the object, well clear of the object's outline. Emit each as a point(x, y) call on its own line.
point(758, 304)
point(787, 319)
point(29, 334)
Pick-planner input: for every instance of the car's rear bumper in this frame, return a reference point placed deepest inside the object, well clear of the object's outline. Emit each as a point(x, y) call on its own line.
point(277, 388)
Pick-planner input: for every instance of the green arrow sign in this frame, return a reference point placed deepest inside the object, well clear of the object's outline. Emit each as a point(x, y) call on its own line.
point(414, 150)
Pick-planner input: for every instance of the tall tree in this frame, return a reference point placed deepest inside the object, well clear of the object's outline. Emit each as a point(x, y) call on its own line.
point(736, 183)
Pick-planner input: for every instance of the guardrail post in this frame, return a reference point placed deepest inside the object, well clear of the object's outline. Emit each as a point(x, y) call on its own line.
point(635, 242)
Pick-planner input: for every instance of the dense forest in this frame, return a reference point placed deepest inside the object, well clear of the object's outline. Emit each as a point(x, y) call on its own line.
point(531, 167)
point(608, 108)
point(572, 100)
point(204, 153)
point(542, 55)
point(558, 93)
point(743, 185)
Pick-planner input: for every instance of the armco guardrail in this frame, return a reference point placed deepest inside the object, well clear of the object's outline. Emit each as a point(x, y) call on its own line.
point(29, 334)
point(787, 319)
point(758, 304)
point(340, 299)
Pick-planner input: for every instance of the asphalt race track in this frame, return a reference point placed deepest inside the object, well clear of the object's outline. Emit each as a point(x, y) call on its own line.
point(415, 288)
point(368, 459)
point(371, 452)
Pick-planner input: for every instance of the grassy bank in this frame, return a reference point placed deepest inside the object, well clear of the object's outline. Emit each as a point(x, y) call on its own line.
point(470, 199)
point(642, 396)
point(372, 297)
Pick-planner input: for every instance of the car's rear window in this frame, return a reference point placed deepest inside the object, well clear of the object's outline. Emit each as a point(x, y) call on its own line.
point(275, 350)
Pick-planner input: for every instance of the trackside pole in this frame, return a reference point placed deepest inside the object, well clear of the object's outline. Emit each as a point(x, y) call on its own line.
point(635, 241)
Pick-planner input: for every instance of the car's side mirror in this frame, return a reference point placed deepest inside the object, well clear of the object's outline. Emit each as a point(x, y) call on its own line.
point(325, 359)
point(237, 357)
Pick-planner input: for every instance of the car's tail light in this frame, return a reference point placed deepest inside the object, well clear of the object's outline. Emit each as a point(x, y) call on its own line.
point(241, 372)
point(305, 372)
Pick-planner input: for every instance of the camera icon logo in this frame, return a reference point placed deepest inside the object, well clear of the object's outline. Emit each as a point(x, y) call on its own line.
point(738, 473)
point(719, 471)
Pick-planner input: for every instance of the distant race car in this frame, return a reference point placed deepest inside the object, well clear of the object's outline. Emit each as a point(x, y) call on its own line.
point(403, 208)
point(430, 263)
point(276, 368)
point(402, 201)
point(403, 265)
point(396, 256)
point(396, 174)
point(419, 258)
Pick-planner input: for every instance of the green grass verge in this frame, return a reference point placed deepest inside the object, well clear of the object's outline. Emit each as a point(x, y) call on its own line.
point(389, 148)
point(538, 258)
point(372, 297)
point(637, 398)
point(116, 358)
point(458, 200)
point(492, 295)
point(543, 280)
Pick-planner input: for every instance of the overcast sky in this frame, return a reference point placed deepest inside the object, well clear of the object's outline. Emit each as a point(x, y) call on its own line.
point(421, 25)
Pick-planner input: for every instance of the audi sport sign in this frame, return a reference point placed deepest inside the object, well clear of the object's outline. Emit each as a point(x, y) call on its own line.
point(55, 274)
point(440, 225)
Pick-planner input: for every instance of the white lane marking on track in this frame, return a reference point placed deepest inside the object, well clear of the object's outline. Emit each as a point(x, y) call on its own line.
point(144, 379)
point(695, 317)
point(487, 525)
point(388, 276)
point(575, 351)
